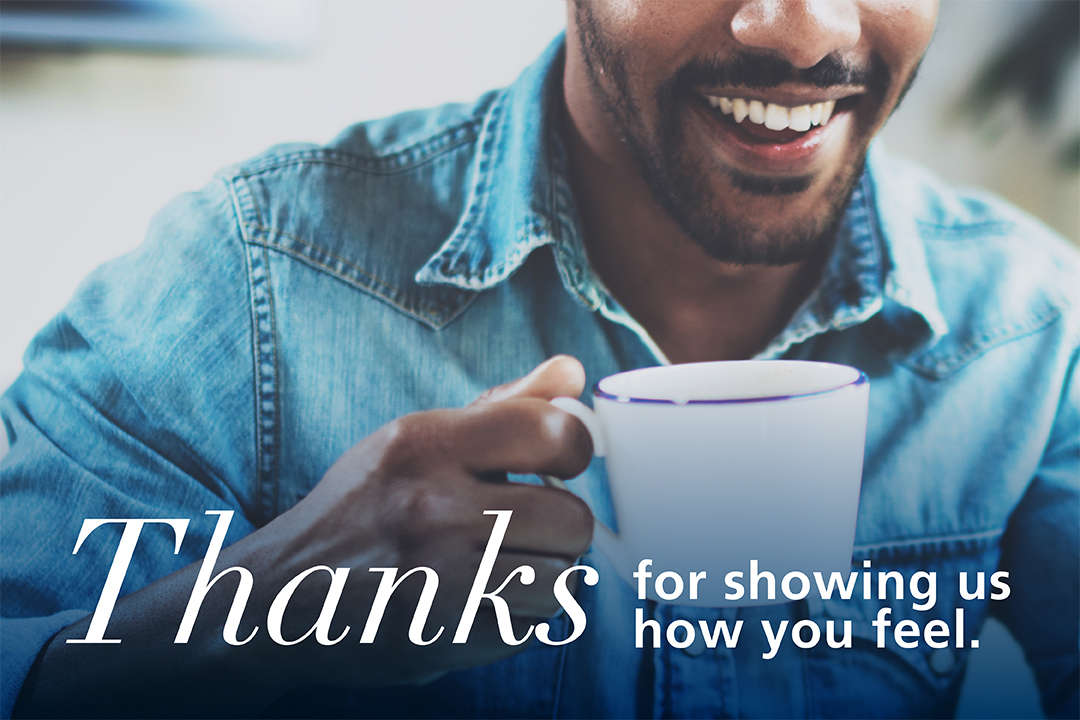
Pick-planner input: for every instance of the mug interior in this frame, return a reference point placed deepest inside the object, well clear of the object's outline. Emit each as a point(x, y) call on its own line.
point(728, 381)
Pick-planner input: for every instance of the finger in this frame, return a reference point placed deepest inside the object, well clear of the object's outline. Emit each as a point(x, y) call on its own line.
point(558, 376)
point(449, 523)
point(524, 436)
point(545, 522)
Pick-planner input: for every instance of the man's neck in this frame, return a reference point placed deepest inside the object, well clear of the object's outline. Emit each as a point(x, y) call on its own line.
point(695, 307)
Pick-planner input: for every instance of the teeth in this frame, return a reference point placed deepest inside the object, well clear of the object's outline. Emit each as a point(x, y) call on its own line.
point(776, 117)
point(826, 110)
point(772, 116)
point(800, 118)
point(757, 112)
point(739, 109)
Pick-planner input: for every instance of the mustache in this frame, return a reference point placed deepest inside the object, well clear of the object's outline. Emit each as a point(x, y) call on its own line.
point(762, 70)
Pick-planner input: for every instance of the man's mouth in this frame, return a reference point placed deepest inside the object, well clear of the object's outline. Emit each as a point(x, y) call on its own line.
point(770, 137)
point(772, 116)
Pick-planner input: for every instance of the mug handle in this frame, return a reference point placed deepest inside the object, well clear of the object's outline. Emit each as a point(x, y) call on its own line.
point(603, 536)
point(587, 417)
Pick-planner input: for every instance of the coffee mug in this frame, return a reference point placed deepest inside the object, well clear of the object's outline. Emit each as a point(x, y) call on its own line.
point(714, 465)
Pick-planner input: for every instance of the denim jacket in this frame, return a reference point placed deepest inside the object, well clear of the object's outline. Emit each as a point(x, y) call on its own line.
point(308, 296)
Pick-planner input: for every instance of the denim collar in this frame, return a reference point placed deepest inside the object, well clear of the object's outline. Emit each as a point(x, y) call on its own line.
point(512, 206)
point(519, 200)
point(878, 267)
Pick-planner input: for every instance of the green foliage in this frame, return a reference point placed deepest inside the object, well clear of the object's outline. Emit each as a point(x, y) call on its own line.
point(1032, 66)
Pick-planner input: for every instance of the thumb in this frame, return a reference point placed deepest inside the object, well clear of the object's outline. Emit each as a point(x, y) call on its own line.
point(561, 375)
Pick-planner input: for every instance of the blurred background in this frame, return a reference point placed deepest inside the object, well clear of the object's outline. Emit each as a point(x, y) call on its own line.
point(109, 109)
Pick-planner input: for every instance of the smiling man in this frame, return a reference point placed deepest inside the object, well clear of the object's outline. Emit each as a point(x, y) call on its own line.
point(803, 112)
point(672, 182)
point(700, 198)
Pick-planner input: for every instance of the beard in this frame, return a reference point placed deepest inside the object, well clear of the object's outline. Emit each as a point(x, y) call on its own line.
point(681, 184)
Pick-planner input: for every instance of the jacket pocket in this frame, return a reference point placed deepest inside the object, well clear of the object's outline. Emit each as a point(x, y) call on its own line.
point(918, 672)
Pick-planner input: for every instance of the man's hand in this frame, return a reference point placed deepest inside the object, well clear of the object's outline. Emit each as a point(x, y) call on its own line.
point(414, 494)
point(411, 494)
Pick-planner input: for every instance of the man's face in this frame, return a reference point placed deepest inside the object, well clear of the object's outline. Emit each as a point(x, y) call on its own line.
point(750, 120)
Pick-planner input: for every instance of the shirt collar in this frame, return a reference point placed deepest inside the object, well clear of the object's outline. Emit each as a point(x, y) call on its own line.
point(519, 199)
point(908, 281)
point(512, 206)
point(878, 268)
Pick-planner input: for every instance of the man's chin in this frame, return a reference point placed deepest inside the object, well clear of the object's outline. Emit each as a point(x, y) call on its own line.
point(756, 219)
point(762, 219)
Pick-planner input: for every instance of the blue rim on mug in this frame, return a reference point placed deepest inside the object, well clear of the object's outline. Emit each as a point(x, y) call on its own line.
point(597, 392)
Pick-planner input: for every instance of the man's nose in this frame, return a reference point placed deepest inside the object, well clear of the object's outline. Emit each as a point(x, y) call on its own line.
point(802, 31)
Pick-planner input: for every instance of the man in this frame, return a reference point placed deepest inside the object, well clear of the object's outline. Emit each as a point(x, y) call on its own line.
point(677, 182)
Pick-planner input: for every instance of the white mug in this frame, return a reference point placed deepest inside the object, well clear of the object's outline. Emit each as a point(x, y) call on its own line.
point(714, 465)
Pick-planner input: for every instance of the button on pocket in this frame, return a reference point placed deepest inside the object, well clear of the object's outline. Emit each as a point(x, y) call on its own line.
point(942, 661)
point(696, 648)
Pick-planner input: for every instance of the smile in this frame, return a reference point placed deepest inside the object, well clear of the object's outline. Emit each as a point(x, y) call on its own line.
point(773, 116)
point(789, 133)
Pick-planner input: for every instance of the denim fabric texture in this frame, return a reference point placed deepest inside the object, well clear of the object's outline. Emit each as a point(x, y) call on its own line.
point(307, 297)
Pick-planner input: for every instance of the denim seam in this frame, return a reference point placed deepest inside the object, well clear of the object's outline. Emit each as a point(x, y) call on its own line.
point(272, 357)
point(377, 292)
point(476, 201)
point(264, 354)
point(567, 262)
point(326, 158)
point(976, 231)
point(531, 238)
point(563, 258)
point(871, 267)
point(571, 269)
point(437, 143)
point(976, 537)
point(244, 204)
point(902, 294)
point(940, 367)
point(564, 228)
point(554, 158)
point(343, 261)
point(266, 397)
point(479, 193)
point(378, 288)
point(419, 154)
